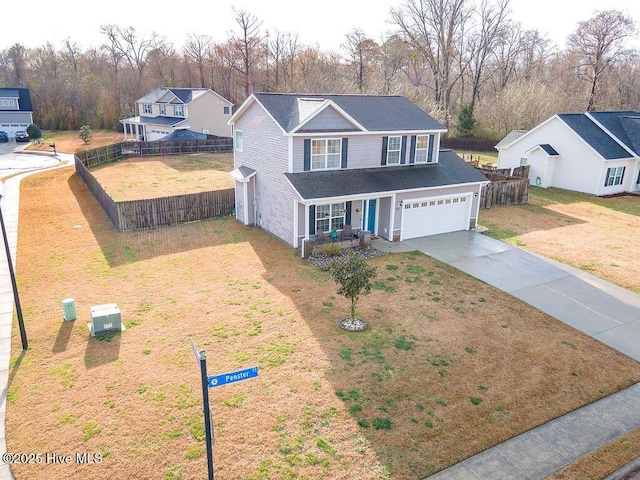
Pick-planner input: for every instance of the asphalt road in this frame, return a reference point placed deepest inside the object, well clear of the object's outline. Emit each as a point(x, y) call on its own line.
point(14, 159)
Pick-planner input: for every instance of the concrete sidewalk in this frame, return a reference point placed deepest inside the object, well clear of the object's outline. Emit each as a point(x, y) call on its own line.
point(10, 204)
point(598, 308)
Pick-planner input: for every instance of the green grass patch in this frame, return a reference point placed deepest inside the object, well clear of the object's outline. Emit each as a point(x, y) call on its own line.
point(402, 343)
point(382, 423)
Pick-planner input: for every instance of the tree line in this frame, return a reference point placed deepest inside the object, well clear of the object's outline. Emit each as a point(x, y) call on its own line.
point(466, 62)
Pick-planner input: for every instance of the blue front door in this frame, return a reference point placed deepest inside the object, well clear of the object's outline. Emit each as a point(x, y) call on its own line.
point(371, 216)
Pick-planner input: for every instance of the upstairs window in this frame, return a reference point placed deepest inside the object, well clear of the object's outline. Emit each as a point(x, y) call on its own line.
point(422, 148)
point(326, 153)
point(146, 108)
point(393, 150)
point(163, 109)
point(226, 110)
point(178, 111)
point(239, 141)
point(615, 176)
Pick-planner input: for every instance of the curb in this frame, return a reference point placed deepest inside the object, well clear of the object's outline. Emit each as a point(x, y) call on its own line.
point(625, 472)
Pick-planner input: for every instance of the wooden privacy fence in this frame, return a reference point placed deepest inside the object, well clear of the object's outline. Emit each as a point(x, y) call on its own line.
point(469, 144)
point(157, 212)
point(504, 191)
point(178, 147)
point(96, 156)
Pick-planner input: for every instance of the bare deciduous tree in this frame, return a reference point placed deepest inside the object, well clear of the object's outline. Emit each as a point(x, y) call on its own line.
point(363, 53)
point(247, 45)
point(198, 48)
point(433, 29)
point(600, 41)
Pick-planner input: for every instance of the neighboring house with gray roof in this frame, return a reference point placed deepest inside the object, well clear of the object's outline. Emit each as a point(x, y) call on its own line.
point(305, 163)
point(16, 111)
point(593, 152)
point(165, 110)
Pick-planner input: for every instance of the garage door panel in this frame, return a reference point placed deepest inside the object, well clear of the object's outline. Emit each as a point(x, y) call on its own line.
point(423, 217)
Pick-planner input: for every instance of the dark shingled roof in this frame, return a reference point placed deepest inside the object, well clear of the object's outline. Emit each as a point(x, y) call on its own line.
point(594, 136)
point(168, 121)
point(549, 149)
point(184, 134)
point(376, 113)
point(450, 170)
point(24, 99)
point(624, 125)
point(184, 94)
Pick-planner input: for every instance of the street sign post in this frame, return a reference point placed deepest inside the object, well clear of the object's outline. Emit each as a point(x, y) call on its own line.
point(210, 382)
point(232, 377)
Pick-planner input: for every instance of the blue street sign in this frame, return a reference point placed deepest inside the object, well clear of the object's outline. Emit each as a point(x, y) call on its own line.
point(237, 376)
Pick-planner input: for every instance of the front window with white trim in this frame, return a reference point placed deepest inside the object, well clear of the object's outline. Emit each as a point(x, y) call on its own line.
point(422, 148)
point(146, 108)
point(614, 176)
point(178, 111)
point(330, 217)
point(326, 153)
point(393, 150)
point(163, 109)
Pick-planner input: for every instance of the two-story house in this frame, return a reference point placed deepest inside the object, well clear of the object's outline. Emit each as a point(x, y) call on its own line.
point(16, 111)
point(305, 163)
point(164, 110)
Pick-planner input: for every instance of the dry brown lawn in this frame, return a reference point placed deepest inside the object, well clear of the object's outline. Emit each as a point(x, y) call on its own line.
point(70, 142)
point(138, 178)
point(594, 234)
point(449, 366)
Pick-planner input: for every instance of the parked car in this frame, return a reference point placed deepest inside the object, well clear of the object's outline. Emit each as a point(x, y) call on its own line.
point(22, 136)
point(4, 137)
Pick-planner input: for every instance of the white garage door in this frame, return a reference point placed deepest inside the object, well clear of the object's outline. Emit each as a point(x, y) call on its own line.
point(430, 216)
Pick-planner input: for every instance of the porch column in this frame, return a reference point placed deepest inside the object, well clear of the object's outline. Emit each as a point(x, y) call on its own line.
point(392, 217)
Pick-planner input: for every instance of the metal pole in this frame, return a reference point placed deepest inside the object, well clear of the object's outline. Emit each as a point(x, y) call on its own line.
point(14, 285)
point(207, 412)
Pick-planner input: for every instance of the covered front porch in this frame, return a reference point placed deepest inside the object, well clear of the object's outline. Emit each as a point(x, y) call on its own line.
point(339, 220)
point(134, 130)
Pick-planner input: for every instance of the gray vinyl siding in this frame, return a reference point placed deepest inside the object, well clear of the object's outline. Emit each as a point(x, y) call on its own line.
point(384, 217)
point(328, 119)
point(265, 150)
point(364, 150)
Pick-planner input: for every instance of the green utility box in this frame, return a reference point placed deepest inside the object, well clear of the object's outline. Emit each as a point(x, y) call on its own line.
point(69, 309)
point(105, 319)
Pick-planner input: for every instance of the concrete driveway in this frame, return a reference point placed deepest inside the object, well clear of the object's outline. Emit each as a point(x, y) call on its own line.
point(598, 308)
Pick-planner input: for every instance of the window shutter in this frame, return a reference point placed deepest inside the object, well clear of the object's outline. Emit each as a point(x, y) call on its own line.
point(312, 219)
point(403, 151)
point(385, 142)
point(430, 151)
point(412, 153)
point(347, 207)
point(345, 145)
point(307, 155)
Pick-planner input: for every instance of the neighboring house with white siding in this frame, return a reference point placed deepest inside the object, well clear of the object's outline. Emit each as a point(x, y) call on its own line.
point(594, 152)
point(305, 163)
point(16, 111)
point(165, 110)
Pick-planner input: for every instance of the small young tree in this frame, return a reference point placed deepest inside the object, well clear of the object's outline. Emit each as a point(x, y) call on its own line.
point(86, 133)
point(465, 122)
point(354, 276)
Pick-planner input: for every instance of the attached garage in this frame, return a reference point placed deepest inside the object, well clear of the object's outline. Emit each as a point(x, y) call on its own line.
point(430, 216)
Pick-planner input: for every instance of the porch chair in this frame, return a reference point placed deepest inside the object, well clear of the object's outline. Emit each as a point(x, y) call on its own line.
point(347, 234)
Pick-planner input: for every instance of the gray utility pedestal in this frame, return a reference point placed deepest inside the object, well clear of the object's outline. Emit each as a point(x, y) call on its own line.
point(365, 238)
point(69, 309)
point(105, 319)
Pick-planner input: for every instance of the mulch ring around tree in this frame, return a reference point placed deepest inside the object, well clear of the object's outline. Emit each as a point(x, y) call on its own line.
point(353, 324)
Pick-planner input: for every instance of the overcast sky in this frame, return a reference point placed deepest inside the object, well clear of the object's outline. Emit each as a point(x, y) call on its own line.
point(325, 27)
